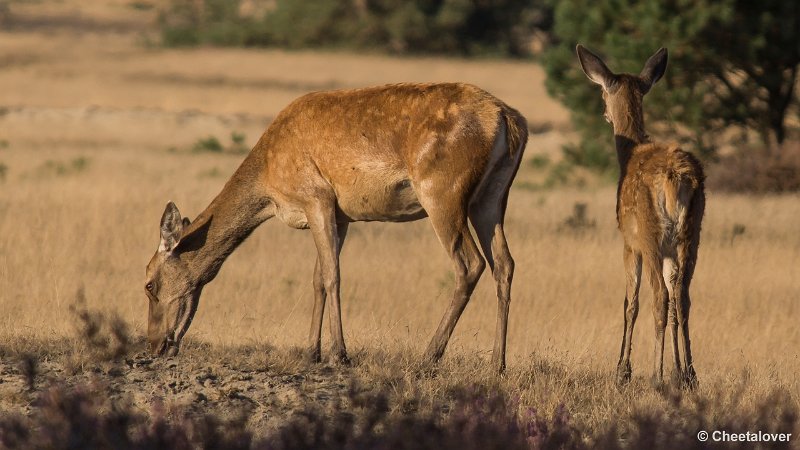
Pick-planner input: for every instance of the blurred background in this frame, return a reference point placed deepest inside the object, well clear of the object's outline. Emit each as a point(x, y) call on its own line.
point(729, 95)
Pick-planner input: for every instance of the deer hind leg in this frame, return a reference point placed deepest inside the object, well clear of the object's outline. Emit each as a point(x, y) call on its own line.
point(451, 228)
point(687, 255)
point(486, 213)
point(487, 219)
point(633, 276)
point(670, 274)
point(322, 222)
point(315, 335)
point(654, 266)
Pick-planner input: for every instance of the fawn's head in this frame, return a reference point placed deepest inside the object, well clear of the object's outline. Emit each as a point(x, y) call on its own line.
point(623, 93)
point(172, 292)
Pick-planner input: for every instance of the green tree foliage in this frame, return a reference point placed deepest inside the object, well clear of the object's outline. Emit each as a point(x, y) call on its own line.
point(186, 22)
point(757, 64)
point(310, 23)
point(730, 62)
point(462, 27)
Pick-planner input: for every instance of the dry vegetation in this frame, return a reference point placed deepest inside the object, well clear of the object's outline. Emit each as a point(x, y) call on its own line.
point(97, 135)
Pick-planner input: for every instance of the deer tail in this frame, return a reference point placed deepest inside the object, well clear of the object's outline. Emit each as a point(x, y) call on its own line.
point(516, 130)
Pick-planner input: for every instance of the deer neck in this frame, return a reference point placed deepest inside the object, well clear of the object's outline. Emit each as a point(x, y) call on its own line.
point(628, 134)
point(237, 210)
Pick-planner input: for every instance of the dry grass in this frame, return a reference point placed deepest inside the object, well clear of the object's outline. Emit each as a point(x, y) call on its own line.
point(98, 228)
point(95, 227)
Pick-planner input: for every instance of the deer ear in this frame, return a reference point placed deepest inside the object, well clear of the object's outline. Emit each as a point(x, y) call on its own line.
point(595, 69)
point(654, 68)
point(171, 228)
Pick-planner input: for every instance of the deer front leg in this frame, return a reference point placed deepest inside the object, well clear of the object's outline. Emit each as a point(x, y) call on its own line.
point(322, 221)
point(315, 335)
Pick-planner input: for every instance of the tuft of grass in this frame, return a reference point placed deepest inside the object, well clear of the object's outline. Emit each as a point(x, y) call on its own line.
point(103, 338)
point(3, 172)
point(238, 140)
point(208, 144)
point(579, 221)
point(212, 144)
point(737, 229)
point(62, 168)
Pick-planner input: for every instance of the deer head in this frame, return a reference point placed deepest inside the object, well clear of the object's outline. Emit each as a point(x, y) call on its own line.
point(623, 93)
point(172, 292)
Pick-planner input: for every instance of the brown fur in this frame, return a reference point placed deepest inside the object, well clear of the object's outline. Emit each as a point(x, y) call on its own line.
point(391, 153)
point(660, 206)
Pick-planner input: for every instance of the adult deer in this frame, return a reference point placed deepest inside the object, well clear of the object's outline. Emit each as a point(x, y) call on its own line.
point(660, 204)
point(394, 153)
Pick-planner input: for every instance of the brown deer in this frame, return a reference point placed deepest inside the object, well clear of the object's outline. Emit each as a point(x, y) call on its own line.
point(394, 153)
point(660, 204)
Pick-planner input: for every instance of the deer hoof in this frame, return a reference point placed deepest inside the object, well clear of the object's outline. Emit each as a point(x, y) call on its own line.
point(340, 358)
point(623, 375)
point(314, 356)
point(690, 381)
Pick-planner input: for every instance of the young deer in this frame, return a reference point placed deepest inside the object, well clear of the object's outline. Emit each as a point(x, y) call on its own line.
point(392, 153)
point(660, 203)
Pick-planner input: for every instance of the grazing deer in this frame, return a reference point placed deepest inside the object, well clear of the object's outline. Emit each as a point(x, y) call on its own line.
point(394, 153)
point(660, 204)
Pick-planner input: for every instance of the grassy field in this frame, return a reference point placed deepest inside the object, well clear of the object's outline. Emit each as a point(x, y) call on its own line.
point(97, 133)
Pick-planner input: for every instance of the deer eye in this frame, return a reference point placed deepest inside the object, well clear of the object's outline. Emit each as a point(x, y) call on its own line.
point(150, 287)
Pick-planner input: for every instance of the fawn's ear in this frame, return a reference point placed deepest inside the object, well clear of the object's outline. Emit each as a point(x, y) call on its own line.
point(595, 69)
point(171, 228)
point(654, 68)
